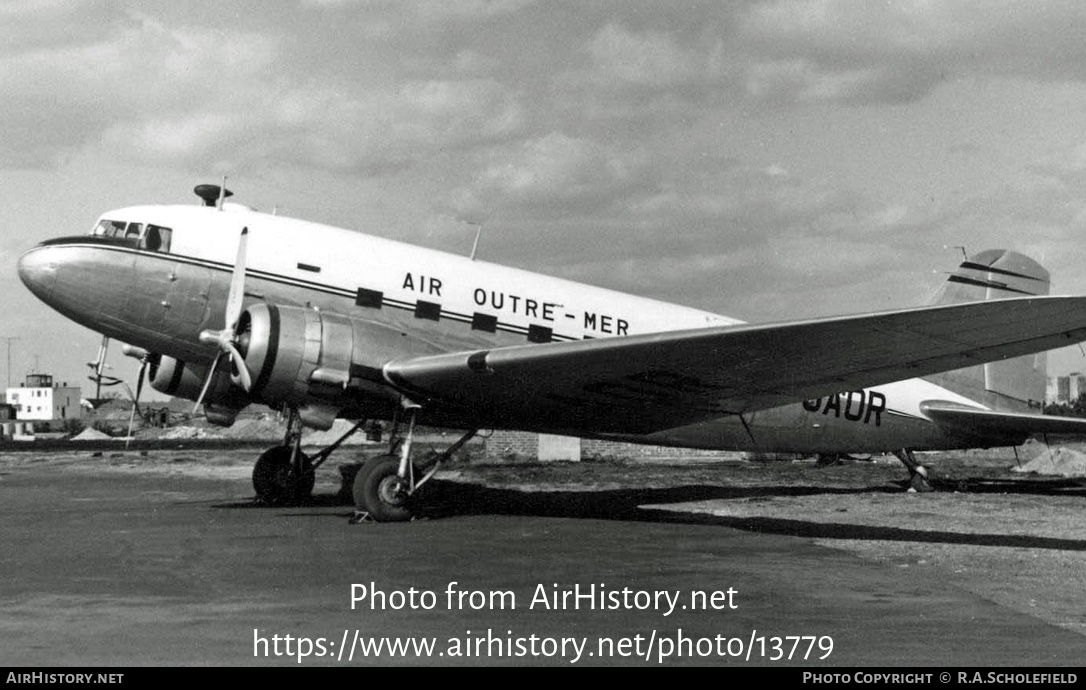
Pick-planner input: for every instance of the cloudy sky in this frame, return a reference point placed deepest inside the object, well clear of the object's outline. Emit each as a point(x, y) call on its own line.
point(764, 160)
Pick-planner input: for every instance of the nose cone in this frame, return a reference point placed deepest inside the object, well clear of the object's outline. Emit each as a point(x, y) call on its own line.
point(38, 272)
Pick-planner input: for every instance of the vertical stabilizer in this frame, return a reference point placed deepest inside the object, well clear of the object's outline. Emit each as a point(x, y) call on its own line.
point(1016, 384)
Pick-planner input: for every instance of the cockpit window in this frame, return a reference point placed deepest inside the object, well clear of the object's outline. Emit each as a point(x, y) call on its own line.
point(154, 238)
point(109, 228)
point(157, 238)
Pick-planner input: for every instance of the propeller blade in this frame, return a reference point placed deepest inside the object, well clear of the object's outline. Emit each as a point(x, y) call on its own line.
point(131, 419)
point(99, 364)
point(237, 282)
point(242, 378)
point(139, 379)
point(207, 383)
point(135, 401)
point(224, 339)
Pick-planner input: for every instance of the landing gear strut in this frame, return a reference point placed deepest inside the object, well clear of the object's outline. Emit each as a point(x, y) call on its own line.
point(385, 485)
point(918, 474)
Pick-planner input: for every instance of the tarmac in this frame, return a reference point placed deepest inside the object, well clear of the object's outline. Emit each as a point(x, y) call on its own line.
point(115, 568)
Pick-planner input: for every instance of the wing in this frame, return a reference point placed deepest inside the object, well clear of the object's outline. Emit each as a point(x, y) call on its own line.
point(644, 383)
point(989, 423)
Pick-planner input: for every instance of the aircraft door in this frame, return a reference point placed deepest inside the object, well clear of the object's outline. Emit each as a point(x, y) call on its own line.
point(190, 288)
point(146, 303)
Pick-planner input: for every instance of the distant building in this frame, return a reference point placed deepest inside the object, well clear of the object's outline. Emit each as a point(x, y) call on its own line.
point(40, 400)
point(1063, 390)
point(1076, 386)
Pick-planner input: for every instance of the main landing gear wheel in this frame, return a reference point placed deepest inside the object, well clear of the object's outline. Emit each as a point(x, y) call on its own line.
point(275, 481)
point(379, 491)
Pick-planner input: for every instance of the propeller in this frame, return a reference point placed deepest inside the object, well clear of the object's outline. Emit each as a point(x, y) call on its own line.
point(226, 339)
point(99, 365)
point(100, 378)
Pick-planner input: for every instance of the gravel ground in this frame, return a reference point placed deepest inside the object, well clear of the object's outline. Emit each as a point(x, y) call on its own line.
point(1016, 538)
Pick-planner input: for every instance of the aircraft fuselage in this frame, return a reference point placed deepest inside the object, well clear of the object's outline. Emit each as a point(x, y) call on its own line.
point(159, 295)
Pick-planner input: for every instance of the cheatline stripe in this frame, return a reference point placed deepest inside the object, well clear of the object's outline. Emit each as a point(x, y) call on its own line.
point(312, 285)
point(1001, 271)
point(987, 284)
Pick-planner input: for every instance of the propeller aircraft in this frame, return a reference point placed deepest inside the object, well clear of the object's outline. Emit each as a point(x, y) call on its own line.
point(227, 306)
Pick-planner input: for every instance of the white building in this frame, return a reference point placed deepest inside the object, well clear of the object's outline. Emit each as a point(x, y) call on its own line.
point(40, 400)
point(1052, 391)
point(1076, 386)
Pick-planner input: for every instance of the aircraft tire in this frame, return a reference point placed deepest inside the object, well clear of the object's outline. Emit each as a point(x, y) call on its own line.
point(376, 490)
point(272, 478)
point(919, 481)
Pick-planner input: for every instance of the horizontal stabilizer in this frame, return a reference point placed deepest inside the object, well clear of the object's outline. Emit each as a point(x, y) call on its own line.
point(989, 423)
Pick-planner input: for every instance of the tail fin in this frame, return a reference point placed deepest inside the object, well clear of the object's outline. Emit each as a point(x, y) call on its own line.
point(1016, 384)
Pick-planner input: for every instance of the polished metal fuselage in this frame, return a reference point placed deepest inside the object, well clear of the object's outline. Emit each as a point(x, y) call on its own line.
point(436, 302)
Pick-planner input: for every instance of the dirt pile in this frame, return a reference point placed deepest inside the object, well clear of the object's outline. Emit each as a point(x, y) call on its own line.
point(183, 432)
point(1063, 462)
point(269, 428)
point(90, 434)
point(340, 427)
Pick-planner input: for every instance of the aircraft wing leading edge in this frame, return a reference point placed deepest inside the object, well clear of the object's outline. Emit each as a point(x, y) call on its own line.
point(643, 383)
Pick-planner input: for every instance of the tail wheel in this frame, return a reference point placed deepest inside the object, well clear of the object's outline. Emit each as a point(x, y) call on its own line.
point(274, 479)
point(379, 491)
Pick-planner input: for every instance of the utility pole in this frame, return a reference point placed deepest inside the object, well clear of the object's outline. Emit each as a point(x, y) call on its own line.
point(9, 338)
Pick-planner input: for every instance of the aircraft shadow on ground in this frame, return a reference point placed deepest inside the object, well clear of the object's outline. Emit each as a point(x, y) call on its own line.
point(623, 504)
point(448, 499)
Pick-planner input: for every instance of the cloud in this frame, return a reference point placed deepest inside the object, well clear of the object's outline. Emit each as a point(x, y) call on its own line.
point(328, 128)
point(567, 175)
point(435, 10)
point(799, 80)
point(864, 52)
point(644, 75)
point(649, 58)
point(64, 97)
point(193, 97)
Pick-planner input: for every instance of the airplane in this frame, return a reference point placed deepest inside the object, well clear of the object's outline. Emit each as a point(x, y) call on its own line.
point(228, 306)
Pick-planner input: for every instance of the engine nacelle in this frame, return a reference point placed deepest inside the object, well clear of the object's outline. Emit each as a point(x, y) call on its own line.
point(317, 361)
point(224, 399)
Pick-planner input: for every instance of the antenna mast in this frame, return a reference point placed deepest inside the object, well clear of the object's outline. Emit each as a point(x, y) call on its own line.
point(9, 338)
point(222, 193)
point(478, 231)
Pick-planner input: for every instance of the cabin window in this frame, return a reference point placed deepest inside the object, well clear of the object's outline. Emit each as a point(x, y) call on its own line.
point(134, 231)
point(157, 238)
